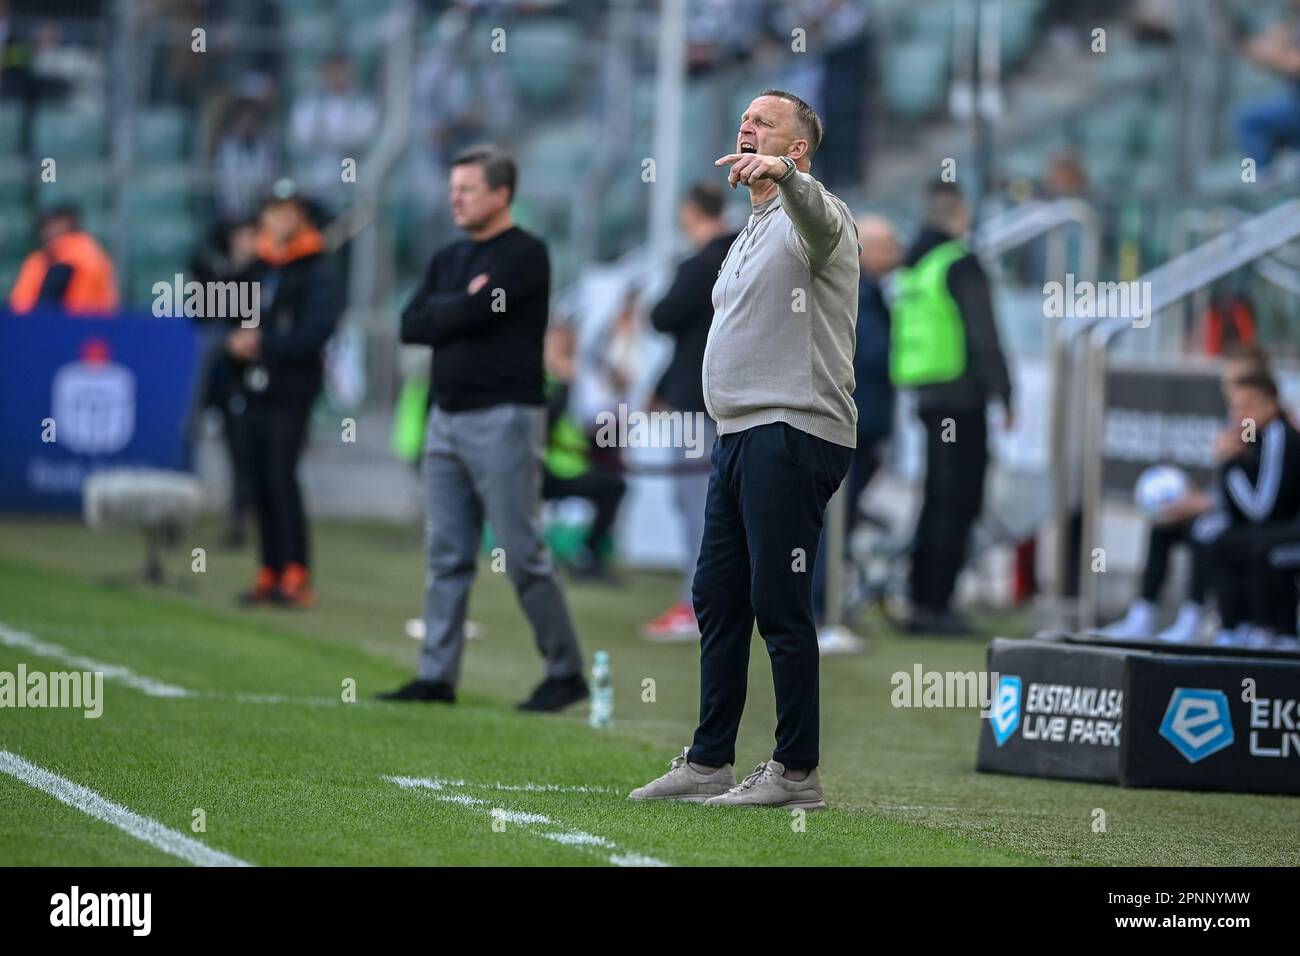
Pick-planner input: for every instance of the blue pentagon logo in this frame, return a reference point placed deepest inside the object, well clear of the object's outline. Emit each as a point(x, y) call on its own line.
point(1197, 722)
point(1006, 709)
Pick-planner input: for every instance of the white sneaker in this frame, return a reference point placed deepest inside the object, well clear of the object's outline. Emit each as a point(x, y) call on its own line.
point(1259, 639)
point(1186, 627)
point(1227, 638)
point(838, 639)
point(415, 629)
point(1136, 625)
point(1286, 642)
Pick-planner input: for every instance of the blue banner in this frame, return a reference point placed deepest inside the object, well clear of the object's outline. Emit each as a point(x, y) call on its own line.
point(78, 395)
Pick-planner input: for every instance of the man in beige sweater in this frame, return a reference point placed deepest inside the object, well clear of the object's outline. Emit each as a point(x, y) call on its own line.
point(778, 379)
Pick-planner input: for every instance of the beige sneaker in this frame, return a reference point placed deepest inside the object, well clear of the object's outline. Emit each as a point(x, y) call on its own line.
point(768, 786)
point(684, 782)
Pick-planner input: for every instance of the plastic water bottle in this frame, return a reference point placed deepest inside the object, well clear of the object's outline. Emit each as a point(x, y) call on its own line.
point(602, 692)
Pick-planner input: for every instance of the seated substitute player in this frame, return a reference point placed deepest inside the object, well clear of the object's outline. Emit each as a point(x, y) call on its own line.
point(1196, 521)
point(1260, 485)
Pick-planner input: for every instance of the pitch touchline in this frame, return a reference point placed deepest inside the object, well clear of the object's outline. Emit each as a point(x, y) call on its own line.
point(11, 637)
point(114, 672)
point(566, 836)
point(145, 829)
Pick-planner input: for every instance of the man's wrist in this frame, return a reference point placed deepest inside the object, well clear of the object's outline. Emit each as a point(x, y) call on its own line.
point(790, 167)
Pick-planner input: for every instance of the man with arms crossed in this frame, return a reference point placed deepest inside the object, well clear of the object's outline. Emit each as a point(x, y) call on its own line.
point(483, 307)
point(778, 380)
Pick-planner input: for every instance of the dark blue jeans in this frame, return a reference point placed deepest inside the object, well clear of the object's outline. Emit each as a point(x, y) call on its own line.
point(768, 490)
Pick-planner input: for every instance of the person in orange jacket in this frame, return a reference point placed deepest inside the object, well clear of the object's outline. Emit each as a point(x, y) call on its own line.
point(279, 368)
point(70, 271)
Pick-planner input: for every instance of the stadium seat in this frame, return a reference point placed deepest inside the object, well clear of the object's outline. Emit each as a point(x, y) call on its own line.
point(545, 59)
point(63, 133)
point(15, 232)
point(560, 146)
point(1017, 27)
point(76, 185)
point(161, 136)
point(916, 77)
point(10, 128)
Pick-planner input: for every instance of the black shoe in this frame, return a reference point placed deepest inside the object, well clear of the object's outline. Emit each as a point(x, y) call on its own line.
point(422, 690)
point(955, 624)
point(587, 567)
point(555, 694)
point(939, 623)
point(922, 620)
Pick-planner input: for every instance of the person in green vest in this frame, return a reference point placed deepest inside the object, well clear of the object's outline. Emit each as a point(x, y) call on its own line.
point(944, 344)
point(568, 471)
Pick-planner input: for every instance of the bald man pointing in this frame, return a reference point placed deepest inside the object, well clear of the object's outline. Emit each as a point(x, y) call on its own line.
point(778, 380)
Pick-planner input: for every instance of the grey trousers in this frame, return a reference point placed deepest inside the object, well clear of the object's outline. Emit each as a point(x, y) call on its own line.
point(690, 492)
point(477, 464)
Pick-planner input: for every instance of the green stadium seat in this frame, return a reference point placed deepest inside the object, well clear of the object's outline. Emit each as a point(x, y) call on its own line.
point(1017, 28)
point(926, 21)
point(16, 232)
point(559, 147)
point(916, 77)
point(10, 128)
point(544, 59)
point(161, 136)
point(163, 240)
point(76, 185)
point(68, 134)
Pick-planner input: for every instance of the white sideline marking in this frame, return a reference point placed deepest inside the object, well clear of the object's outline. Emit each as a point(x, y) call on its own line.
point(81, 798)
point(438, 783)
point(146, 685)
point(567, 837)
point(124, 675)
point(578, 838)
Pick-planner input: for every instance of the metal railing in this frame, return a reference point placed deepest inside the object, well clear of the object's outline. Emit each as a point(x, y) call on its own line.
point(1017, 227)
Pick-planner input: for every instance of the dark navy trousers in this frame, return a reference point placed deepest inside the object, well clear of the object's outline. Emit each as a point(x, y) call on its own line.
point(768, 490)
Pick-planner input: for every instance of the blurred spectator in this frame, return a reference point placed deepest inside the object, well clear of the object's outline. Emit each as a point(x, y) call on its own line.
point(67, 72)
point(335, 123)
point(281, 374)
point(838, 71)
point(568, 470)
point(1268, 123)
point(1063, 178)
point(945, 345)
point(873, 394)
point(686, 312)
point(451, 87)
point(245, 161)
point(70, 270)
point(229, 256)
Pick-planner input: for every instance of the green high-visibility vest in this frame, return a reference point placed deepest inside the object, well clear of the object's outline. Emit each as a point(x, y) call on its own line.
point(927, 335)
point(567, 449)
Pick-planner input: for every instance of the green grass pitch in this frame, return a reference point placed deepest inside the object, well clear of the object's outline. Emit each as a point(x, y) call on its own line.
point(285, 772)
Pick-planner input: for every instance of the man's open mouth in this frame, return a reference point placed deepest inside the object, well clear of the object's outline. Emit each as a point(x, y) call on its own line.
point(748, 148)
